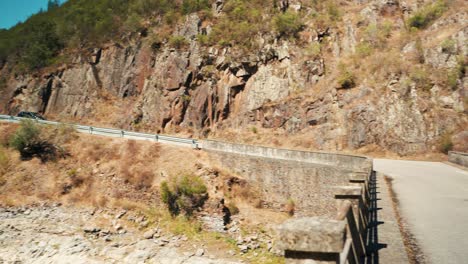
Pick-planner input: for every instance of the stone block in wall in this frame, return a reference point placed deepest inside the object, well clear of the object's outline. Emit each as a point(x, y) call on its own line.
point(312, 234)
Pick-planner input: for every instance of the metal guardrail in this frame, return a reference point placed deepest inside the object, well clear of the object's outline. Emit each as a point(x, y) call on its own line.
point(114, 132)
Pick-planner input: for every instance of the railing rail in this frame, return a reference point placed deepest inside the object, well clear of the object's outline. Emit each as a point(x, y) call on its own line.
point(346, 245)
point(113, 132)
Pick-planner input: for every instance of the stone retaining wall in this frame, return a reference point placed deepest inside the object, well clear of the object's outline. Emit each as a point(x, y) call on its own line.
point(349, 162)
point(309, 185)
point(459, 158)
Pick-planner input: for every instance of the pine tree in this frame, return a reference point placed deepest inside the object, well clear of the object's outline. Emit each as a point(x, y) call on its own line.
point(52, 4)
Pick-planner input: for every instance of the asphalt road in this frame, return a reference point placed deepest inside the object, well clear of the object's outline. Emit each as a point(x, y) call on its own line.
point(433, 200)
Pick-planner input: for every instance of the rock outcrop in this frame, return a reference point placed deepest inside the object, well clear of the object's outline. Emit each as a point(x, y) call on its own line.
point(279, 87)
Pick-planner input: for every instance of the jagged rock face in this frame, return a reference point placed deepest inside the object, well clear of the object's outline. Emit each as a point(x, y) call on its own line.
point(277, 88)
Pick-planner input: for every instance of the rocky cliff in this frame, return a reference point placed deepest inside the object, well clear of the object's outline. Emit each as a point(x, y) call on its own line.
point(366, 79)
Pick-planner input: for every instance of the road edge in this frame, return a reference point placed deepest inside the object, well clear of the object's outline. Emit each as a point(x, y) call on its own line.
point(413, 250)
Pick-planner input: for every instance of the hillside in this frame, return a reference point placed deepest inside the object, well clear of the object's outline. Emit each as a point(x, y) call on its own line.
point(368, 76)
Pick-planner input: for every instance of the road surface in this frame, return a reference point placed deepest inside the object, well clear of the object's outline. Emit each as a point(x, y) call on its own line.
point(433, 199)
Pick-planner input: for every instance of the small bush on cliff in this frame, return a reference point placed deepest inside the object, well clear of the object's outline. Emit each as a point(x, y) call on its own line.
point(30, 143)
point(421, 78)
point(288, 24)
point(242, 21)
point(190, 6)
point(184, 193)
point(449, 46)
point(426, 15)
point(364, 49)
point(457, 73)
point(178, 42)
point(346, 79)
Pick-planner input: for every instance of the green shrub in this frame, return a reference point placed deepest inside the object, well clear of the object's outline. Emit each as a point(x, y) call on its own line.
point(28, 140)
point(184, 193)
point(458, 72)
point(427, 14)
point(185, 98)
point(333, 11)
point(190, 6)
point(288, 24)
point(448, 46)
point(133, 23)
point(28, 133)
point(313, 50)
point(241, 22)
point(364, 49)
point(452, 80)
point(178, 42)
point(172, 17)
point(377, 34)
point(346, 79)
point(83, 24)
point(421, 77)
point(42, 46)
point(203, 39)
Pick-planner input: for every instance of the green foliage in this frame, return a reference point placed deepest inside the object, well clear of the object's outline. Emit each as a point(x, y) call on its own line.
point(426, 15)
point(178, 42)
point(457, 73)
point(420, 76)
point(242, 21)
point(313, 50)
point(288, 24)
point(448, 46)
point(376, 35)
point(346, 79)
point(27, 134)
point(184, 193)
point(333, 11)
point(81, 24)
point(133, 23)
point(203, 39)
point(326, 13)
point(364, 49)
point(52, 4)
point(151, 7)
point(43, 44)
point(171, 17)
point(186, 98)
point(190, 6)
point(32, 140)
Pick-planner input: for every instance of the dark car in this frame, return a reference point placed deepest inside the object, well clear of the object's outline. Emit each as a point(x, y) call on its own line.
point(31, 115)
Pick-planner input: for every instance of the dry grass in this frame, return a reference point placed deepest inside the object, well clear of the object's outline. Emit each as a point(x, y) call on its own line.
point(7, 131)
point(99, 171)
